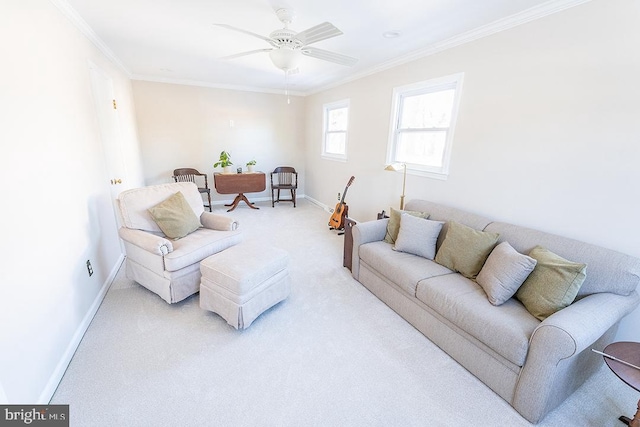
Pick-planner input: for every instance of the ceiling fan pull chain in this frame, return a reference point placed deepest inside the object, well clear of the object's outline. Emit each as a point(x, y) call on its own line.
point(286, 85)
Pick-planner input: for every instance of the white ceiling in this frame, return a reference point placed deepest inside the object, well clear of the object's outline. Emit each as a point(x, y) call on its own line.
point(176, 41)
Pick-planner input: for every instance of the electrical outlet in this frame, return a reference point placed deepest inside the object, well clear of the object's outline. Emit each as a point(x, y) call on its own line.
point(89, 268)
point(338, 196)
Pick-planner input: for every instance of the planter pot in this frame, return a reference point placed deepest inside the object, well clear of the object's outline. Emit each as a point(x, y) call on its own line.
point(251, 168)
point(227, 169)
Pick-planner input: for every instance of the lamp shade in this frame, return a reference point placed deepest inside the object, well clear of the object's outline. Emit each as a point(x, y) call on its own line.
point(394, 167)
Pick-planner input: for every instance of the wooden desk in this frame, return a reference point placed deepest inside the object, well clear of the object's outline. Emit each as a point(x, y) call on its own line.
point(240, 183)
point(629, 352)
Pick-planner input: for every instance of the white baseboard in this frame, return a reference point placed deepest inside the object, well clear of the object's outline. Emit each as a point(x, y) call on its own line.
point(58, 373)
point(317, 203)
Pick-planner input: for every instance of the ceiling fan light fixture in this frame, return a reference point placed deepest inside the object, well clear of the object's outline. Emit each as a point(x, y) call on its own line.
point(285, 58)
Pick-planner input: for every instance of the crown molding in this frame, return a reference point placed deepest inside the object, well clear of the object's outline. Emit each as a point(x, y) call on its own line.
point(528, 15)
point(73, 16)
point(188, 82)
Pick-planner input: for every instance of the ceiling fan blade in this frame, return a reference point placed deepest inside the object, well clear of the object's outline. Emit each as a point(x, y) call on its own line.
point(329, 56)
point(230, 27)
point(251, 52)
point(320, 32)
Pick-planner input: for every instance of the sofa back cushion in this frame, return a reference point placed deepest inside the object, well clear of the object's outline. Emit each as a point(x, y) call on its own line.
point(607, 270)
point(438, 212)
point(135, 203)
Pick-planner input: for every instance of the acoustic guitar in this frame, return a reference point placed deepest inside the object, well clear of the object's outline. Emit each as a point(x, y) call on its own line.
point(337, 218)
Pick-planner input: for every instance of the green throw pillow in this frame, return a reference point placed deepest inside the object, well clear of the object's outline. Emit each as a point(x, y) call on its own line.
point(465, 249)
point(552, 285)
point(394, 223)
point(175, 217)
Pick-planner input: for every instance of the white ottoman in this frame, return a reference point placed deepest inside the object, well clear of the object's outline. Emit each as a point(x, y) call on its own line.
point(243, 281)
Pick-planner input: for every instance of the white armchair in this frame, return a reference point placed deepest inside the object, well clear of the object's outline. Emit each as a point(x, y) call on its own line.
point(170, 268)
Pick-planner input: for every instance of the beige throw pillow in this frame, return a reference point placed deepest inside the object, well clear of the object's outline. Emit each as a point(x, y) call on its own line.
point(552, 285)
point(418, 236)
point(504, 272)
point(175, 217)
point(465, 249)
point(394, 223)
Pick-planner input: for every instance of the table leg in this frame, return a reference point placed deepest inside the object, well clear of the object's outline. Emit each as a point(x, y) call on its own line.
point(241, 197)
point(635, 422)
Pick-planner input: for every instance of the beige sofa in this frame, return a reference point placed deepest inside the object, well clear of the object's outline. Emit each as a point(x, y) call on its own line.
point(534, 365)
point(168, 267)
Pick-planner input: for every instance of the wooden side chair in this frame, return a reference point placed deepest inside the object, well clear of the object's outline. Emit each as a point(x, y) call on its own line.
point(284, 178)
point(193, 175)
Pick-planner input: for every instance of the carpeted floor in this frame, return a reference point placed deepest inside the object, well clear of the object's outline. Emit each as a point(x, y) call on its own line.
point(332, 354)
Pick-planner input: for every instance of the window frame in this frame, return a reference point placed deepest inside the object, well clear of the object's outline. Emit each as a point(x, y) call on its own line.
point(326, 108)
point(453, 81)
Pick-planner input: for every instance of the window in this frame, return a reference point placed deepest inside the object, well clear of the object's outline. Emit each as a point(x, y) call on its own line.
point(336, 118)
point(424, 116)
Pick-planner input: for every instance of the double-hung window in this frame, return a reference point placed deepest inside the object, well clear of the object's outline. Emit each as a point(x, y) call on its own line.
point(336, 120)
point(422, 124)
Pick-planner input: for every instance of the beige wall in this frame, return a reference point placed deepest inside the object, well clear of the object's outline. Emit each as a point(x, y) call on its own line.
point(57, 212)
point(188, 126)
point(548, 134)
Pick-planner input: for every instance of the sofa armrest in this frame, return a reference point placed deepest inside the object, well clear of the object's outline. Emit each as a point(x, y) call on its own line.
point(365, 232)
point(150, 242)
point(560, 357)
point(589, 318)
point(218, 222)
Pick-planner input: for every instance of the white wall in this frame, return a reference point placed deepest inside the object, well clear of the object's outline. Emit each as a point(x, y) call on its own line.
point(548, 133)
point(57, 212)
point(188, 126)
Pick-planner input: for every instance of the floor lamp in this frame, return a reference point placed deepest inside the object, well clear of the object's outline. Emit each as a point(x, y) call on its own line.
point(396, 167)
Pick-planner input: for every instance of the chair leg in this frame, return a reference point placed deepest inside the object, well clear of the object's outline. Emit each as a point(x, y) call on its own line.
point(209, 197)
point(272, 202)
point(293, 196)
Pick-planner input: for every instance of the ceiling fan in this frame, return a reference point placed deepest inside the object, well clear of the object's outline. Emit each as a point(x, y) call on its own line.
point(288, 46)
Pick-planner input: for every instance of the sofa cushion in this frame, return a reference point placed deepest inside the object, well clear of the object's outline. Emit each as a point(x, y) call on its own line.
point(504, 272)
point(465, 249)
point(505, 329)
point(175, 217)
point(418, 236)
point(401, 268)
point(393, 226)
point(552, 285)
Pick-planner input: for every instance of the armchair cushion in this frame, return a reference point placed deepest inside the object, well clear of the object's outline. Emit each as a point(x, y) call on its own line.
point(175, 217)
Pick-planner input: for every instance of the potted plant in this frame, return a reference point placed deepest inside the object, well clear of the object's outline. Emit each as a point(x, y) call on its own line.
point(251, 165)
point(224, 162)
